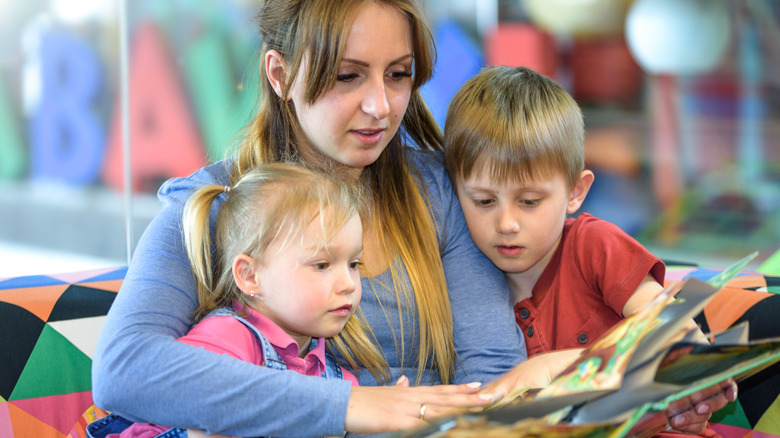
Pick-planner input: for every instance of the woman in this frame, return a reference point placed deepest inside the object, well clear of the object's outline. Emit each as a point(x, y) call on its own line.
point(339, 80)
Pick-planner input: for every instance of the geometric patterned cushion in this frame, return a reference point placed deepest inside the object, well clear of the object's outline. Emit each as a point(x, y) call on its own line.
point(49, 325)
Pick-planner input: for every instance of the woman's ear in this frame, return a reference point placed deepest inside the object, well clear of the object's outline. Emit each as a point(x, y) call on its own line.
point(276, 70)
point(244, 274)
point(579, 191)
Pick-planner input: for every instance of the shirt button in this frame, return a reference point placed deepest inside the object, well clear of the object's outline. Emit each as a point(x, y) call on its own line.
point(582, 338)
point(530, 331)
point(524, 313)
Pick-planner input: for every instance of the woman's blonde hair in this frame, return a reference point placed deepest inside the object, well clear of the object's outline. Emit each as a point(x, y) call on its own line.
point(516, 124)
point(271, 203)
point(317, 31)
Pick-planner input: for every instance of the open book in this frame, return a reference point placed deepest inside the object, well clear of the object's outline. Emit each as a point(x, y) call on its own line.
point(636, 369)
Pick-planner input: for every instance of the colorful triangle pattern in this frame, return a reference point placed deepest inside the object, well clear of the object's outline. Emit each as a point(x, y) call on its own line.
point(49, 326)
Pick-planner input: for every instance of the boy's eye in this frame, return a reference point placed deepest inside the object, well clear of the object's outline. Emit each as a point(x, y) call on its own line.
point(529, 202)
point(483, 202)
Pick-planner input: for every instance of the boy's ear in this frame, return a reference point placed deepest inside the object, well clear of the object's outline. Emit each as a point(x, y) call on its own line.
point(276, 70)
point(244, 274)
point(579, 191)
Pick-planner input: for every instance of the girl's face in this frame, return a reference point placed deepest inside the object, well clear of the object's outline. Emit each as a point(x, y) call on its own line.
point(354, 121)
point(309, 290)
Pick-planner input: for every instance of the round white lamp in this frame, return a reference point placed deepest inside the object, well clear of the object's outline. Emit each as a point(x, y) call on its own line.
point(680, 37)
point(574, 18)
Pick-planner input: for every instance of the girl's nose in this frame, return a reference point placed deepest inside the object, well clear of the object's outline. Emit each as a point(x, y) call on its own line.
point(347, 282)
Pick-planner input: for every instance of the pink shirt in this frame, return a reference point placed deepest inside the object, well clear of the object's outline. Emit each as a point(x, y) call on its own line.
point(227, 335)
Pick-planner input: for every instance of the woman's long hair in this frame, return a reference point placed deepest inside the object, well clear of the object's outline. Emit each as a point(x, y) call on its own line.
point(317, 31)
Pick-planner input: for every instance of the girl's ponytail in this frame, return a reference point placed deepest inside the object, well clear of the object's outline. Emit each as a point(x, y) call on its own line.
point(197, 238)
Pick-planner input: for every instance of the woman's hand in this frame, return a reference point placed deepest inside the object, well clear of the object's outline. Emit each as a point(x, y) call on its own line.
point(375, 409)
point(191, 433)
point(690, 414)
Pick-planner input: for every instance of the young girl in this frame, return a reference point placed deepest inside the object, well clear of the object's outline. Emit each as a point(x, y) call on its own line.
point(283, 281)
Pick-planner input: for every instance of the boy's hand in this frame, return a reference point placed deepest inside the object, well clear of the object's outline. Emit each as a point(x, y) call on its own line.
point(690, 414)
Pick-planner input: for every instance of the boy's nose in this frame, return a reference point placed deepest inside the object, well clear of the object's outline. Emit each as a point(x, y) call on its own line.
point(507, 224)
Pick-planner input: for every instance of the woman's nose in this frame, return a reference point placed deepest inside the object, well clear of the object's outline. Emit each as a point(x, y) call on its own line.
point(375, 101)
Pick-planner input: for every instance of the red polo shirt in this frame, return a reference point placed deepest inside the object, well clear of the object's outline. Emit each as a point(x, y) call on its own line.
point(582, 291)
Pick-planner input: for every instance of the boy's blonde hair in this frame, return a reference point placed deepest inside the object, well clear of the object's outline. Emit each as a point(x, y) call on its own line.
point(515, 124)
point(317, 31)
point(271, 202)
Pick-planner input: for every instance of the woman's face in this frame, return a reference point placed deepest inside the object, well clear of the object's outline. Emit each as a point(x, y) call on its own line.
point(353, 122)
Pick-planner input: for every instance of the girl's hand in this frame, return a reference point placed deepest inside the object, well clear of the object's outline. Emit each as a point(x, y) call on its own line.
point(375, 409)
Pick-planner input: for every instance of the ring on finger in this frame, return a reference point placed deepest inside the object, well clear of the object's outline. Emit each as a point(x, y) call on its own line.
point(422, 411)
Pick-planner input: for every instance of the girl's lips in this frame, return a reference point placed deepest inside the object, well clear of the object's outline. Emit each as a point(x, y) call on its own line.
point(368, 136)
point(509, 250)
point(343, 310)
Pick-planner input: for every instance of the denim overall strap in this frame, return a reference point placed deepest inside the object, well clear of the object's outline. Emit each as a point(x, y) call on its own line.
point(271, 358)
point(332, 368)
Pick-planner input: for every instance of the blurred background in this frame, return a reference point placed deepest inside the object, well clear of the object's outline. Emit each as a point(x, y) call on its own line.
point(681, 101)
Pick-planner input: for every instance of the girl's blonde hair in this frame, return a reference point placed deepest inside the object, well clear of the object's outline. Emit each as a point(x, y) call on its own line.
point(271, 202)
point(516, 124)
point(317, 31)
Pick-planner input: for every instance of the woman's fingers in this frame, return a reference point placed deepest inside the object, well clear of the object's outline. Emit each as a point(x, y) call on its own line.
point(390, 408)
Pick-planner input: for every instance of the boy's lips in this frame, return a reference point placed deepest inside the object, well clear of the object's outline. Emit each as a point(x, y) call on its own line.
point(509, 250)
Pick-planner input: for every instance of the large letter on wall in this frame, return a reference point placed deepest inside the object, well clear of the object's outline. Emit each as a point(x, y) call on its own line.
point(65, 133)
point(12, 155)
point(223, 104)
point(164, 139)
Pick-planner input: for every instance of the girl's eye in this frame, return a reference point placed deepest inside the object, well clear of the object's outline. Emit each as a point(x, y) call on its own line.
point(355, 265)
point(321, 266)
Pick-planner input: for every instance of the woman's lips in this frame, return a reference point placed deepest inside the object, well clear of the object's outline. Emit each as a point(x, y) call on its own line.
point(368, 136)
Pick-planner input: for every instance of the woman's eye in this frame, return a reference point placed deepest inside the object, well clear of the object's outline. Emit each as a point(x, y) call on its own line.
point(399, 75)
point(346, 77)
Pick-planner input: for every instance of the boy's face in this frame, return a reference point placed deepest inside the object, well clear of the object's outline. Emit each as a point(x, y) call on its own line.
point(517, 225)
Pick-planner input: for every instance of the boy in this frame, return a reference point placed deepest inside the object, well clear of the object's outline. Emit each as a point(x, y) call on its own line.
point(514, 148)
